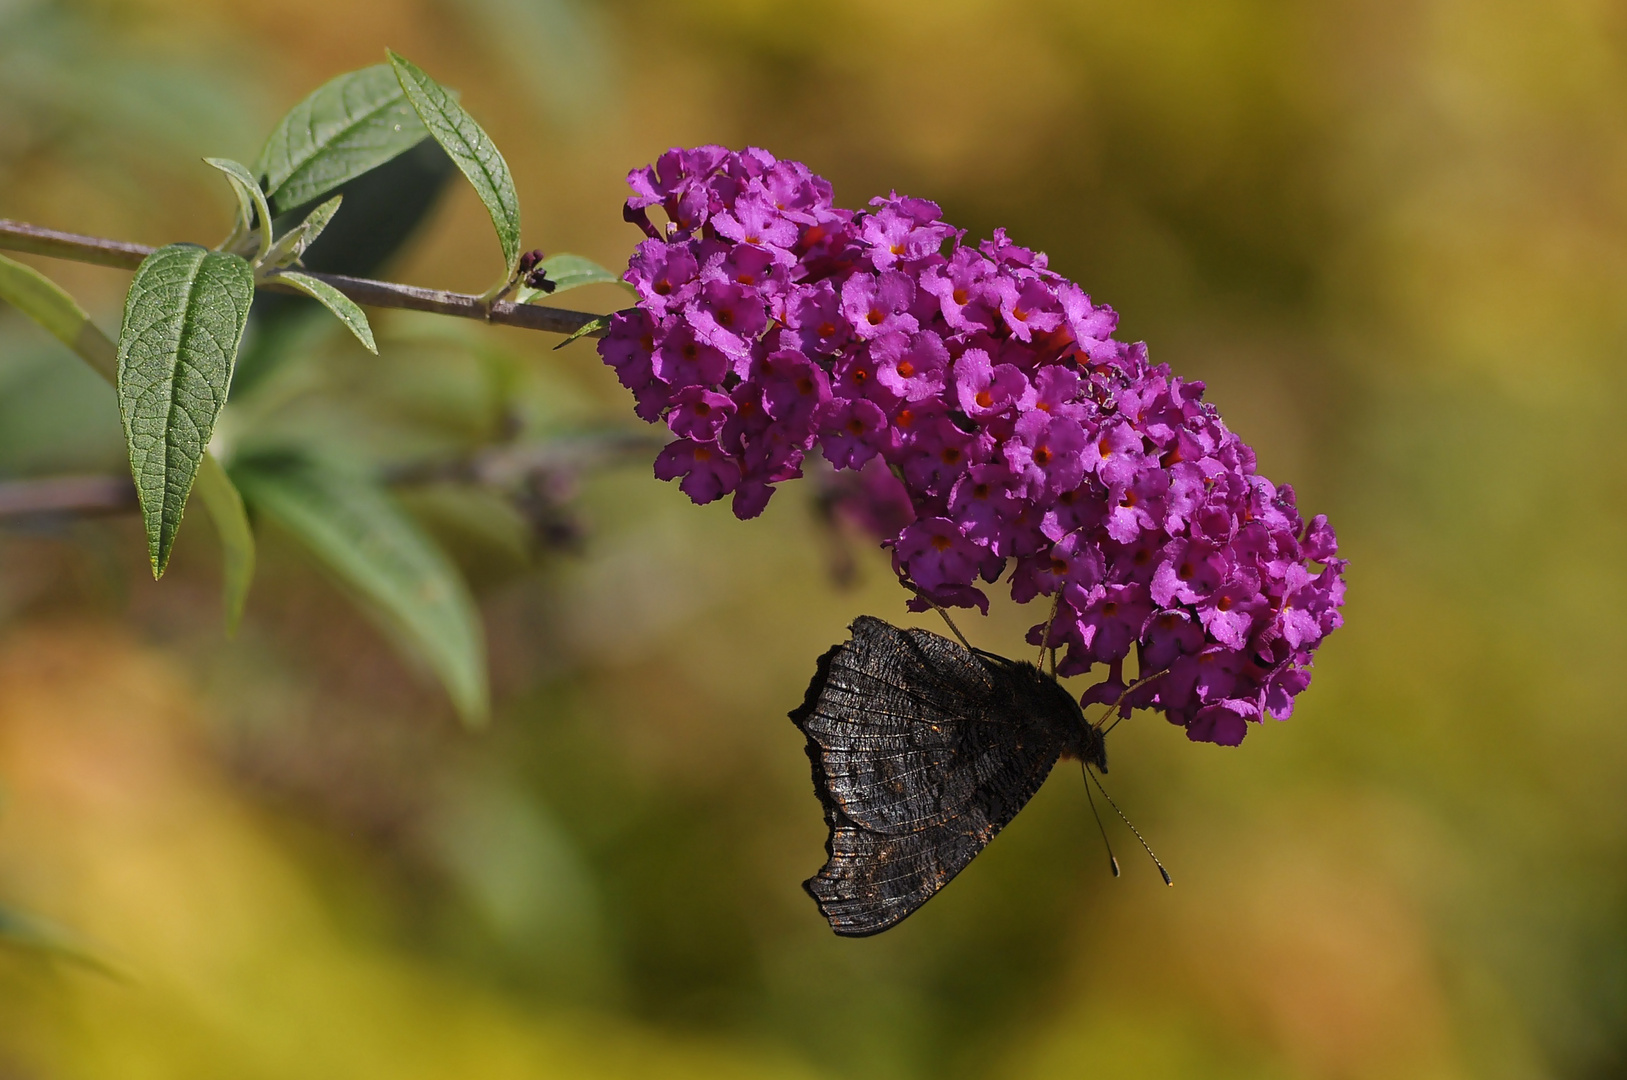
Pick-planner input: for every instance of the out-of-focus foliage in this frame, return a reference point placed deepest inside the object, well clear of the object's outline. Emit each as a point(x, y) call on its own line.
point(1389, 235)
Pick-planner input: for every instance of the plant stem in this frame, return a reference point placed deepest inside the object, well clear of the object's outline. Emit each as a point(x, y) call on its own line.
point(66, 495)
point(21, 236)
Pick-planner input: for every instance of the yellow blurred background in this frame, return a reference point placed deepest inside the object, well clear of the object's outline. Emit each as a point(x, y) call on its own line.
point(1392, 236)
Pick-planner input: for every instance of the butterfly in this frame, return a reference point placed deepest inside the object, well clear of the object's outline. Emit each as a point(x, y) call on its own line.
point(922, 750)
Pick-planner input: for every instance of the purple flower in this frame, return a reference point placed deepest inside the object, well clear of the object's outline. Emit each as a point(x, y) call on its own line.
point(962, 288)
point(1073, 563)
point(708, 473)
point(1170, 634)
point(1110, 620)
point(699, 414)
point(983, 503)
point(990, 415)
point(663, 275)
point(1222, 723)
point(984, 390)
point(795, 388)
point(755, 220)
point(934, 554)
point(1028, 307)
point(879, 305)
point(1228, 613)
point(729, 317)
point(1047, 453)
point(1088, 324)
point(1115, 456)
point(815, 313)
point(902, 230)
point(937, 453)
point(1137, 507)
point(853, 430)
point(629, 347)
point(1188, 573)
point(684, 360)
point(912, 368)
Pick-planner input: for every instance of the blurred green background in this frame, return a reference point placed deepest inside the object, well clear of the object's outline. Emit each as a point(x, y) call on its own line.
point(1392, 236)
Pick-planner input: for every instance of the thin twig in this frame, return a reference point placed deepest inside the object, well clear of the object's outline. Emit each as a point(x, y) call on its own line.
point(66, 495)
point(21, 236)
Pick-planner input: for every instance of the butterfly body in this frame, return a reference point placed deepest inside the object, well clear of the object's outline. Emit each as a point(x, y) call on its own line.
point(923, 750)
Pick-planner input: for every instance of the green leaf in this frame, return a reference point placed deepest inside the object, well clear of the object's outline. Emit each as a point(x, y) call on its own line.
point(597, 324)
point(470, 148)
point(350, 125)
point(44, 301)
point(40, 298)
point(358, 532)
point(568, 272)
point(29, 932)
point(183, 322)
point(292, 244)
point(251, 201)
point(225, 508)
point(335, 301)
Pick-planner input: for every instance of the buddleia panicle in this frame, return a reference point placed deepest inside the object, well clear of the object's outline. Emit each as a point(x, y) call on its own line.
point(994, 419)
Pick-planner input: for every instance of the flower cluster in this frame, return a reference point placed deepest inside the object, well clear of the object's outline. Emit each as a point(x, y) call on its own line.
point(986, 394)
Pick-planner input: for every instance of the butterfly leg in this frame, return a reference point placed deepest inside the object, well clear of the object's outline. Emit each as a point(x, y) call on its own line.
point(1045, 638)
point(939, 608)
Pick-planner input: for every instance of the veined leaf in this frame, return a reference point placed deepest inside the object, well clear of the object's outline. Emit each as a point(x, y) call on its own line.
point(292, 244)
point(335, 301)
point(596, 325)
point(42, 300)
point(568, 272)
point(183, 322)
point(348, 126)
point(470, 148)
point(251, 201)
point(374, 549)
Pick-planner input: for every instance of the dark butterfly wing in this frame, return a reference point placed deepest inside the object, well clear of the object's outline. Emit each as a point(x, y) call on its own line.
point(921, 753)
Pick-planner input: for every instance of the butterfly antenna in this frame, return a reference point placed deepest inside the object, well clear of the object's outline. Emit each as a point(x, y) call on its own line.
point(1112, 859)
point(1145, 846)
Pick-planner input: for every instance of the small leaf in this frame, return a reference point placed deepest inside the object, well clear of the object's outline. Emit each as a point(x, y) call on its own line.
point(292, 244)
point(38, 297)
point(358, 532)
point(44, 301)
point(335, 301)
point(38, 935)
point(597, 324)
point(348, 126)
point(568, 272)
point(225, 508)
point(470, 148)
point(183, 322)
point(250, 200)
